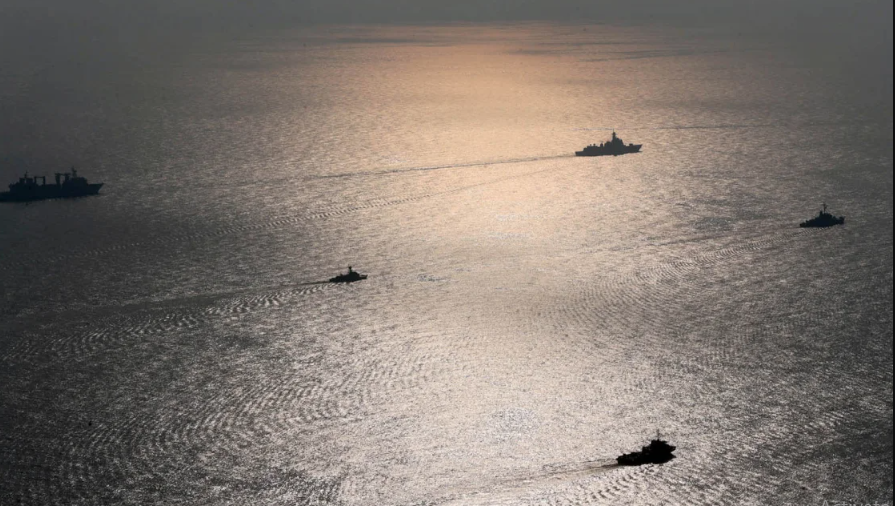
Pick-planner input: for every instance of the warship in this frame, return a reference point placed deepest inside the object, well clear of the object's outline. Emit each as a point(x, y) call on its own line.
point(613, 147)
point(823, 219)
point(657, 452)
point(68, 185)
point(350, 277)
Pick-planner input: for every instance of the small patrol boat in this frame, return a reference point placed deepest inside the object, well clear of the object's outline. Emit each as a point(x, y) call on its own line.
point(658, 451)
point(349, 277)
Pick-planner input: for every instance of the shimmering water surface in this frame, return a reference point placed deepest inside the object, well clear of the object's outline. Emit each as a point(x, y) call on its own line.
point(529, 315)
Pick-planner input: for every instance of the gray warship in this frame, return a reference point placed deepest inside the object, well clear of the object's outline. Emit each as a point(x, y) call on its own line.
point(613, 147)
point(823, 219)
point(68, 185)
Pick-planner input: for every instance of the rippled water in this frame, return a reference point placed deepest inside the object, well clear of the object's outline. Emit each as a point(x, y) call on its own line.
point(529, 315)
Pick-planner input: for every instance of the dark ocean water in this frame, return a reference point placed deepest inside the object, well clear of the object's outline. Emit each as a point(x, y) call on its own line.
point(529, 315)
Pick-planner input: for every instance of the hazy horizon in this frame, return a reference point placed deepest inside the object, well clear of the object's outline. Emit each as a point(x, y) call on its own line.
point(848, 33)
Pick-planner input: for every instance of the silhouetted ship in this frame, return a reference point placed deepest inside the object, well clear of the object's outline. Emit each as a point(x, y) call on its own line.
point(657, 452)
point(349, 277)
point(613, 147)
point(68, 185)
point(823, 219)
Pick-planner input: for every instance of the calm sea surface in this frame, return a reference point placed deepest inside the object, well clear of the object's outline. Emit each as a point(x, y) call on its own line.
point(529, 315)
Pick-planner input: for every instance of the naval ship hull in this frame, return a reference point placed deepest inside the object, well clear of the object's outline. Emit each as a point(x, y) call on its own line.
point(44, 192)
point(598, 151)
point(823, 222)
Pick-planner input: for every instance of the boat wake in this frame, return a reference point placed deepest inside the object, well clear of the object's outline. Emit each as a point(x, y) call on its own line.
point(509, 489)
point(572, 470)
point(386, 172)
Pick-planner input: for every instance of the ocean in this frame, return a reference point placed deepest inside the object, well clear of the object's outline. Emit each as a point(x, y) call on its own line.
point(529, 315)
